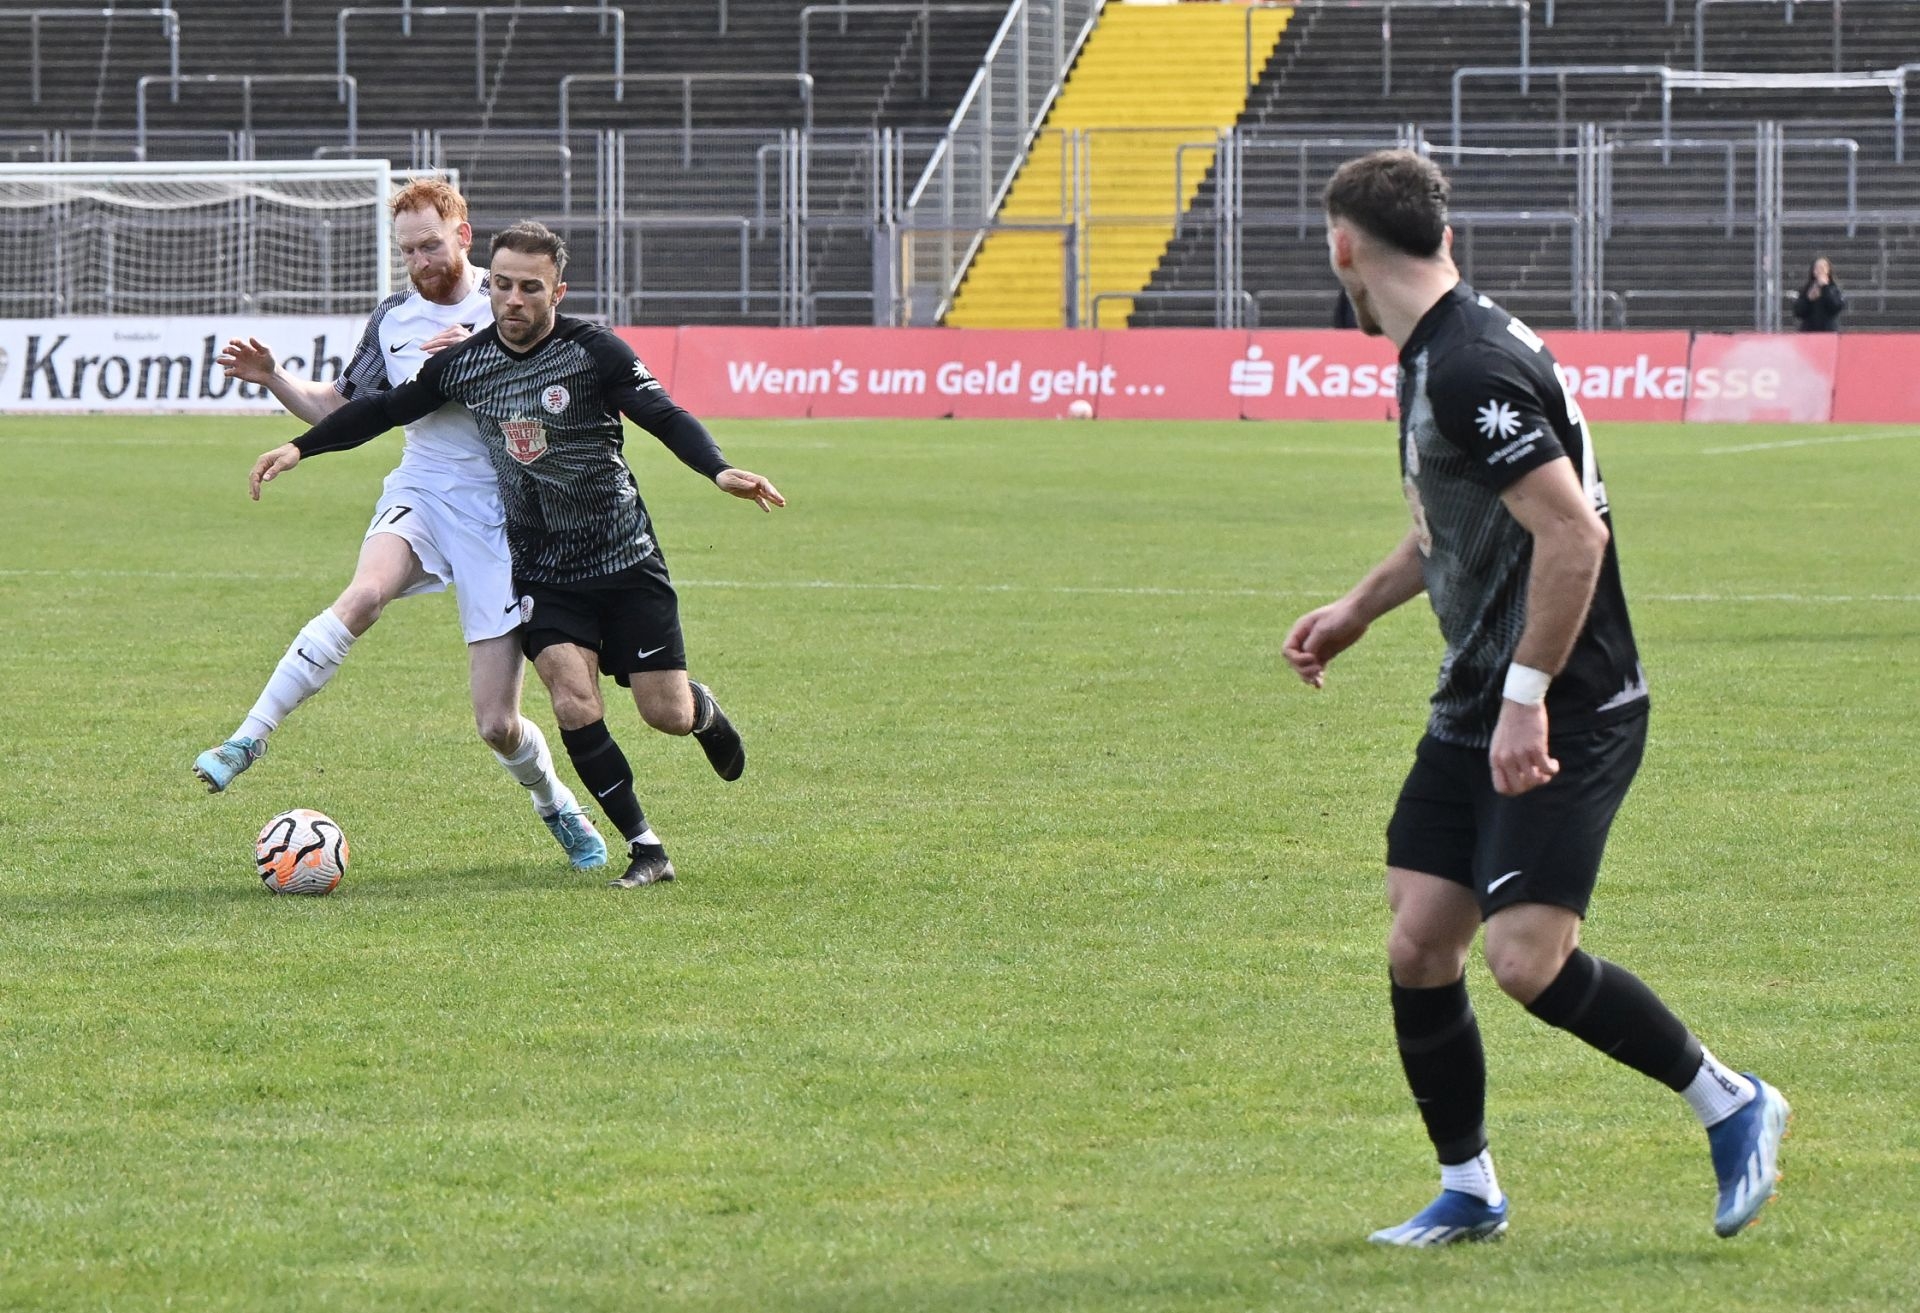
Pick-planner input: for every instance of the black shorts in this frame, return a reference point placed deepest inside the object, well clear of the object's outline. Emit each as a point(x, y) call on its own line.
point(1543, 846)
point(632, 619)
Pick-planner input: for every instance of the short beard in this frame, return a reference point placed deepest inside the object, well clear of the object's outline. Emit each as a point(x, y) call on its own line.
point(439, 284)
point(536, 330)
point(1363, 315)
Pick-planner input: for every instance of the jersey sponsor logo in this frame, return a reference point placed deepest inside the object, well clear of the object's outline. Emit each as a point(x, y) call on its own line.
point(1497, 420)
point(555, 399)
point(643, 377)
point(526, 439)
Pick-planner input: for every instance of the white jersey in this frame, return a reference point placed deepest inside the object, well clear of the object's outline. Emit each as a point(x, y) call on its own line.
point(444, 455)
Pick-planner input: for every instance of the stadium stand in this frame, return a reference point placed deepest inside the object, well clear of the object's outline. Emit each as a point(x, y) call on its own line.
point(746, 160)
point(1679, 240)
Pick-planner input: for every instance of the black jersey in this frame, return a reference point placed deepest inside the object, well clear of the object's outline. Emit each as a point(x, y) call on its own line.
point(1480, 406)
point(550, 418)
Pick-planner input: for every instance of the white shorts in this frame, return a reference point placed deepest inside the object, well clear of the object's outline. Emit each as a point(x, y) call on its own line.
point(454, 549)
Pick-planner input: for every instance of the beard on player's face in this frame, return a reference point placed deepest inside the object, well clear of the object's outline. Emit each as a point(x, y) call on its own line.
point(1363, 316)
point(438, 280)
point(524, 324)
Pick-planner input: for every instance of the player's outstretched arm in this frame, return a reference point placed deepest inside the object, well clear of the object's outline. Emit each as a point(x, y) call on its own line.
point(748, 486)
point(354, 424)
point(252, 361)
point(270, 466)
point(1325, 632)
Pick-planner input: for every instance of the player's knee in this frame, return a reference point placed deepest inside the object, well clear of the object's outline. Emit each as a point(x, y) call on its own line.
point(1421, 961)
point(576, 708)
point(669, 717)
point(499, 727)
point(1523, 970)
point(358, 607)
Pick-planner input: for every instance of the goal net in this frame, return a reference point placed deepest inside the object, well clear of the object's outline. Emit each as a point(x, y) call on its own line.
point(272, 238)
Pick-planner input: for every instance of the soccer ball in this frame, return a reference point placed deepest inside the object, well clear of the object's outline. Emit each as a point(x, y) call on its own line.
point(301, 852)
point(1080, 408)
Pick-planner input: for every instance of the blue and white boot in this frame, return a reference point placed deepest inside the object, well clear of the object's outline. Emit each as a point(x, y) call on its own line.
point(1453, 1217)
point(1746, 1157)
point(216, 767)
point(584, 847)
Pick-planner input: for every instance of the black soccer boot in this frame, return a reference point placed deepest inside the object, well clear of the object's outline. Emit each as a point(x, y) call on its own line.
point(648, 865)
point(718, 738)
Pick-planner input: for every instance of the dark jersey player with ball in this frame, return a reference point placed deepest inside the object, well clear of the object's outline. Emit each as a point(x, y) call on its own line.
point(548, 392)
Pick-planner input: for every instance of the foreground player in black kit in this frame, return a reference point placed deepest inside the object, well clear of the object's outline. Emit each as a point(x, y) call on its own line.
point(1538, 722)
point(548, 393)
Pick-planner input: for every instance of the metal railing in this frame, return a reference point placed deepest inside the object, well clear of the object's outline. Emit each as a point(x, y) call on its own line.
point(1386, 8)
point(992, 129)
point(925, 11)
point(1670, 80)
point(479, 14)
point(349, 88)
point(1700, 24)
point(407, 9)
point(169, 31)
point(1244, 300)
point(814, 226)
point(685, 81)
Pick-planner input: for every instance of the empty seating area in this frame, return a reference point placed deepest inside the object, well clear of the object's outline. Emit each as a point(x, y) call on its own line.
point(1680, 236)
point(749, 160)
point(692, 107)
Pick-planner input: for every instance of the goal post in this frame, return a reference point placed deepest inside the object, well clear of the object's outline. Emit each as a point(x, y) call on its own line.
point(300, 237)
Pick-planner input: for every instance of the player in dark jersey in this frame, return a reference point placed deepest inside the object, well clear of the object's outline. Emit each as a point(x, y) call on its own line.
point(548, 392)
point(1538, 720)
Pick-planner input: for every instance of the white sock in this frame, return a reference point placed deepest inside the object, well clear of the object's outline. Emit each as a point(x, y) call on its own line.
point(1716, 1093)
point(316, 653)
point(1474, 1177)
point(532, 766)
point(645, 836)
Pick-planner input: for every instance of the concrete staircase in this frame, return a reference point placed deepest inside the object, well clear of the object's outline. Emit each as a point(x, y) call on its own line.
point(1150, 80)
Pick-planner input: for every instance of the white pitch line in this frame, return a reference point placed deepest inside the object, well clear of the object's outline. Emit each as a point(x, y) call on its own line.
point(1059, 590)
point(1805, 442)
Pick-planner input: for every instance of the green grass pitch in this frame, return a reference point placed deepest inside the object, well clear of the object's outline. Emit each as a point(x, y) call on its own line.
point(1035, 964)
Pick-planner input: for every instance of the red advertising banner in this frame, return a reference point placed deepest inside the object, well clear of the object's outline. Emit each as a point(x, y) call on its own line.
point(1016, 374)
point(1173, 373)
point(1623, 376)
point(166, 364)
point(928, 373)
point(1316, 374)
point(656, 347)
point(1760, 378)
point(1878, 379)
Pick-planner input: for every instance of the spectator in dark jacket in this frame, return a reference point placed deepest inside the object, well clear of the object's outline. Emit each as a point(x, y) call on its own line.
point(1820, 301)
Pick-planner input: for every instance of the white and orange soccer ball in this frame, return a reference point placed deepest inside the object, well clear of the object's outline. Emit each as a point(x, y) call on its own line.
point(301, 852)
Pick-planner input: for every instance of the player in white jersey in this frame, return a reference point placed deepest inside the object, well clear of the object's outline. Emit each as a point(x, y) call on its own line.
point(439, 520)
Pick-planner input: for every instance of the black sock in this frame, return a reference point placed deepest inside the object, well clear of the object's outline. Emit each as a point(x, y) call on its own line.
point(1446, 1068)
point(603, 768)
point(1612, 1009)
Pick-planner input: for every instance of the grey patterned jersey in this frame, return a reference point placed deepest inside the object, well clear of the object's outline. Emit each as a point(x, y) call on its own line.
point(550, 419)
point(367, 370)
point(1480, 406)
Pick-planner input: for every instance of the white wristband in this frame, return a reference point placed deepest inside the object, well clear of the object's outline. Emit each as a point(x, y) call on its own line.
point(1526, 685)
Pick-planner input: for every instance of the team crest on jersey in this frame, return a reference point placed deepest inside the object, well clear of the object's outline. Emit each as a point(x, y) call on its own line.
point(526, 439)
point(555, 399)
